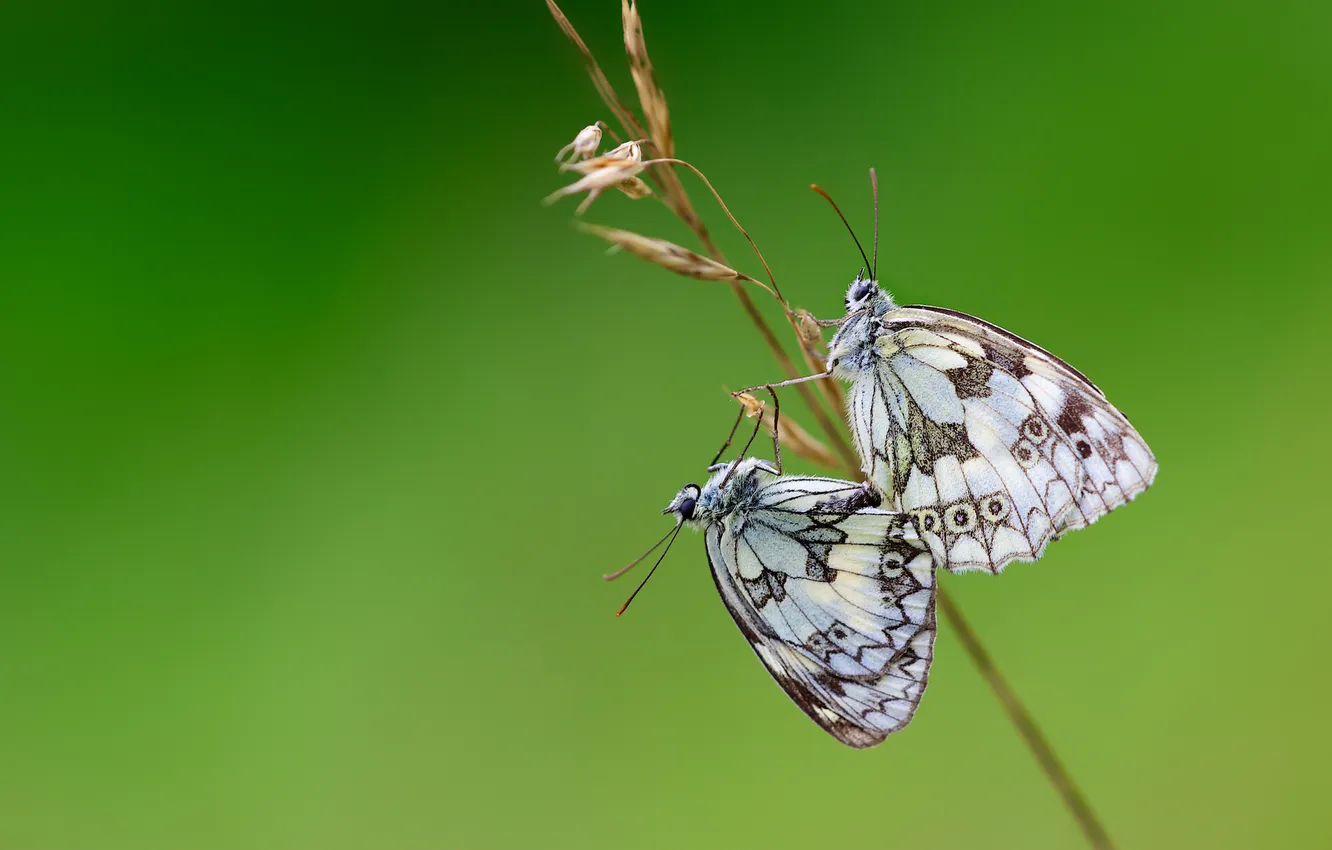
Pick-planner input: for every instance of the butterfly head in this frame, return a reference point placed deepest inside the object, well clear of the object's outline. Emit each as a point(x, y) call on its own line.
point(866, 296)
point(685, 503)
point(859, 293)
point(684, 506)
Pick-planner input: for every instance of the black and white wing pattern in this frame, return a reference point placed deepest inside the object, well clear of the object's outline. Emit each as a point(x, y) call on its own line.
point(993, 445)
point(837, 599)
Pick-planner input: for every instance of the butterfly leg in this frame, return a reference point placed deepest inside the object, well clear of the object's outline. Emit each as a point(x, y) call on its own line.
point(743, 452)
point(801, 380)
point(729, 438)
point(832, 323)
point(776, 428)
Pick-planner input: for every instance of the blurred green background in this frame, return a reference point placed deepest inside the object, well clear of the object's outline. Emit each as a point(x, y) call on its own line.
point(316, 429)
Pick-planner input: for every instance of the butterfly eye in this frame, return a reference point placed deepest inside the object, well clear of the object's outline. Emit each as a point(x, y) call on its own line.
point(687, 508)
point(859, 290)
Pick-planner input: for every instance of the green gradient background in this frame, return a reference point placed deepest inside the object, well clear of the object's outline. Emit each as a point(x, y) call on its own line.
point(317, 429)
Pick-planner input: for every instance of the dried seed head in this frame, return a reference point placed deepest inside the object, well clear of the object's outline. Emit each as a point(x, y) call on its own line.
point(668, 255)
point(635, 188)
point(753, 407)
point(629, 150)
point(650, 95)
point(616, 168)
point(584, 145)
point(811, 337)
point(595, 181)
point(792, 436)
point(617, 156)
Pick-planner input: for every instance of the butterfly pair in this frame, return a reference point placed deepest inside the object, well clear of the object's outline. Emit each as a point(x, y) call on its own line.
point(985, 447)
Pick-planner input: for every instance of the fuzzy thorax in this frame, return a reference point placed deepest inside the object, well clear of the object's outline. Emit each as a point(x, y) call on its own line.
point(851, 351)
point(723, 494)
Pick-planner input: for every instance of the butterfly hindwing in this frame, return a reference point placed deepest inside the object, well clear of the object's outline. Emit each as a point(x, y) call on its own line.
point(836, 597)
point(1114, 458)
point(993, 446)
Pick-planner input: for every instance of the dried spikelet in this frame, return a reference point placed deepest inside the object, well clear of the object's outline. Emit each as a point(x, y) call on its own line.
point(584, 145)
point(753, 407)
point(672, 192)
point(668, 187)
point(811, 341)
point(615, 168)
point(635, 188)
point(668, 255)
point(606, 177)
point(811, 337)
point(792, 436)
point(650, 95)
point(627, 152)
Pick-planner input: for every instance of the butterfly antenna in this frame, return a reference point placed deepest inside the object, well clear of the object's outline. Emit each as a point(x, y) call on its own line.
point(627, 567)
point(729, 437)
point(674, 533)
point(776, 291)
point(874, 184)
point(829, 199)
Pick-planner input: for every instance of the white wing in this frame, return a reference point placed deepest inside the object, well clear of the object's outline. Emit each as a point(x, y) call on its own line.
point(993, 445)
point(836, 598)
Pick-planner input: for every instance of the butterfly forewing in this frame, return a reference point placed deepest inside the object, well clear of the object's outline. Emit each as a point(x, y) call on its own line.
point(837, 599)
point(993, 445)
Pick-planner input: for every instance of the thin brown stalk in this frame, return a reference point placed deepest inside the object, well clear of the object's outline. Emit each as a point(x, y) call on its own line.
point(831, 389)
point(670, 256)
point(603, 86)
point(811, 339)
point(677, 200)
point(736, 224)
point(673, 194)
point(1026, 725)
point(820, 415)
point(653, 102)
point(826, 425)
point(650, 95)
